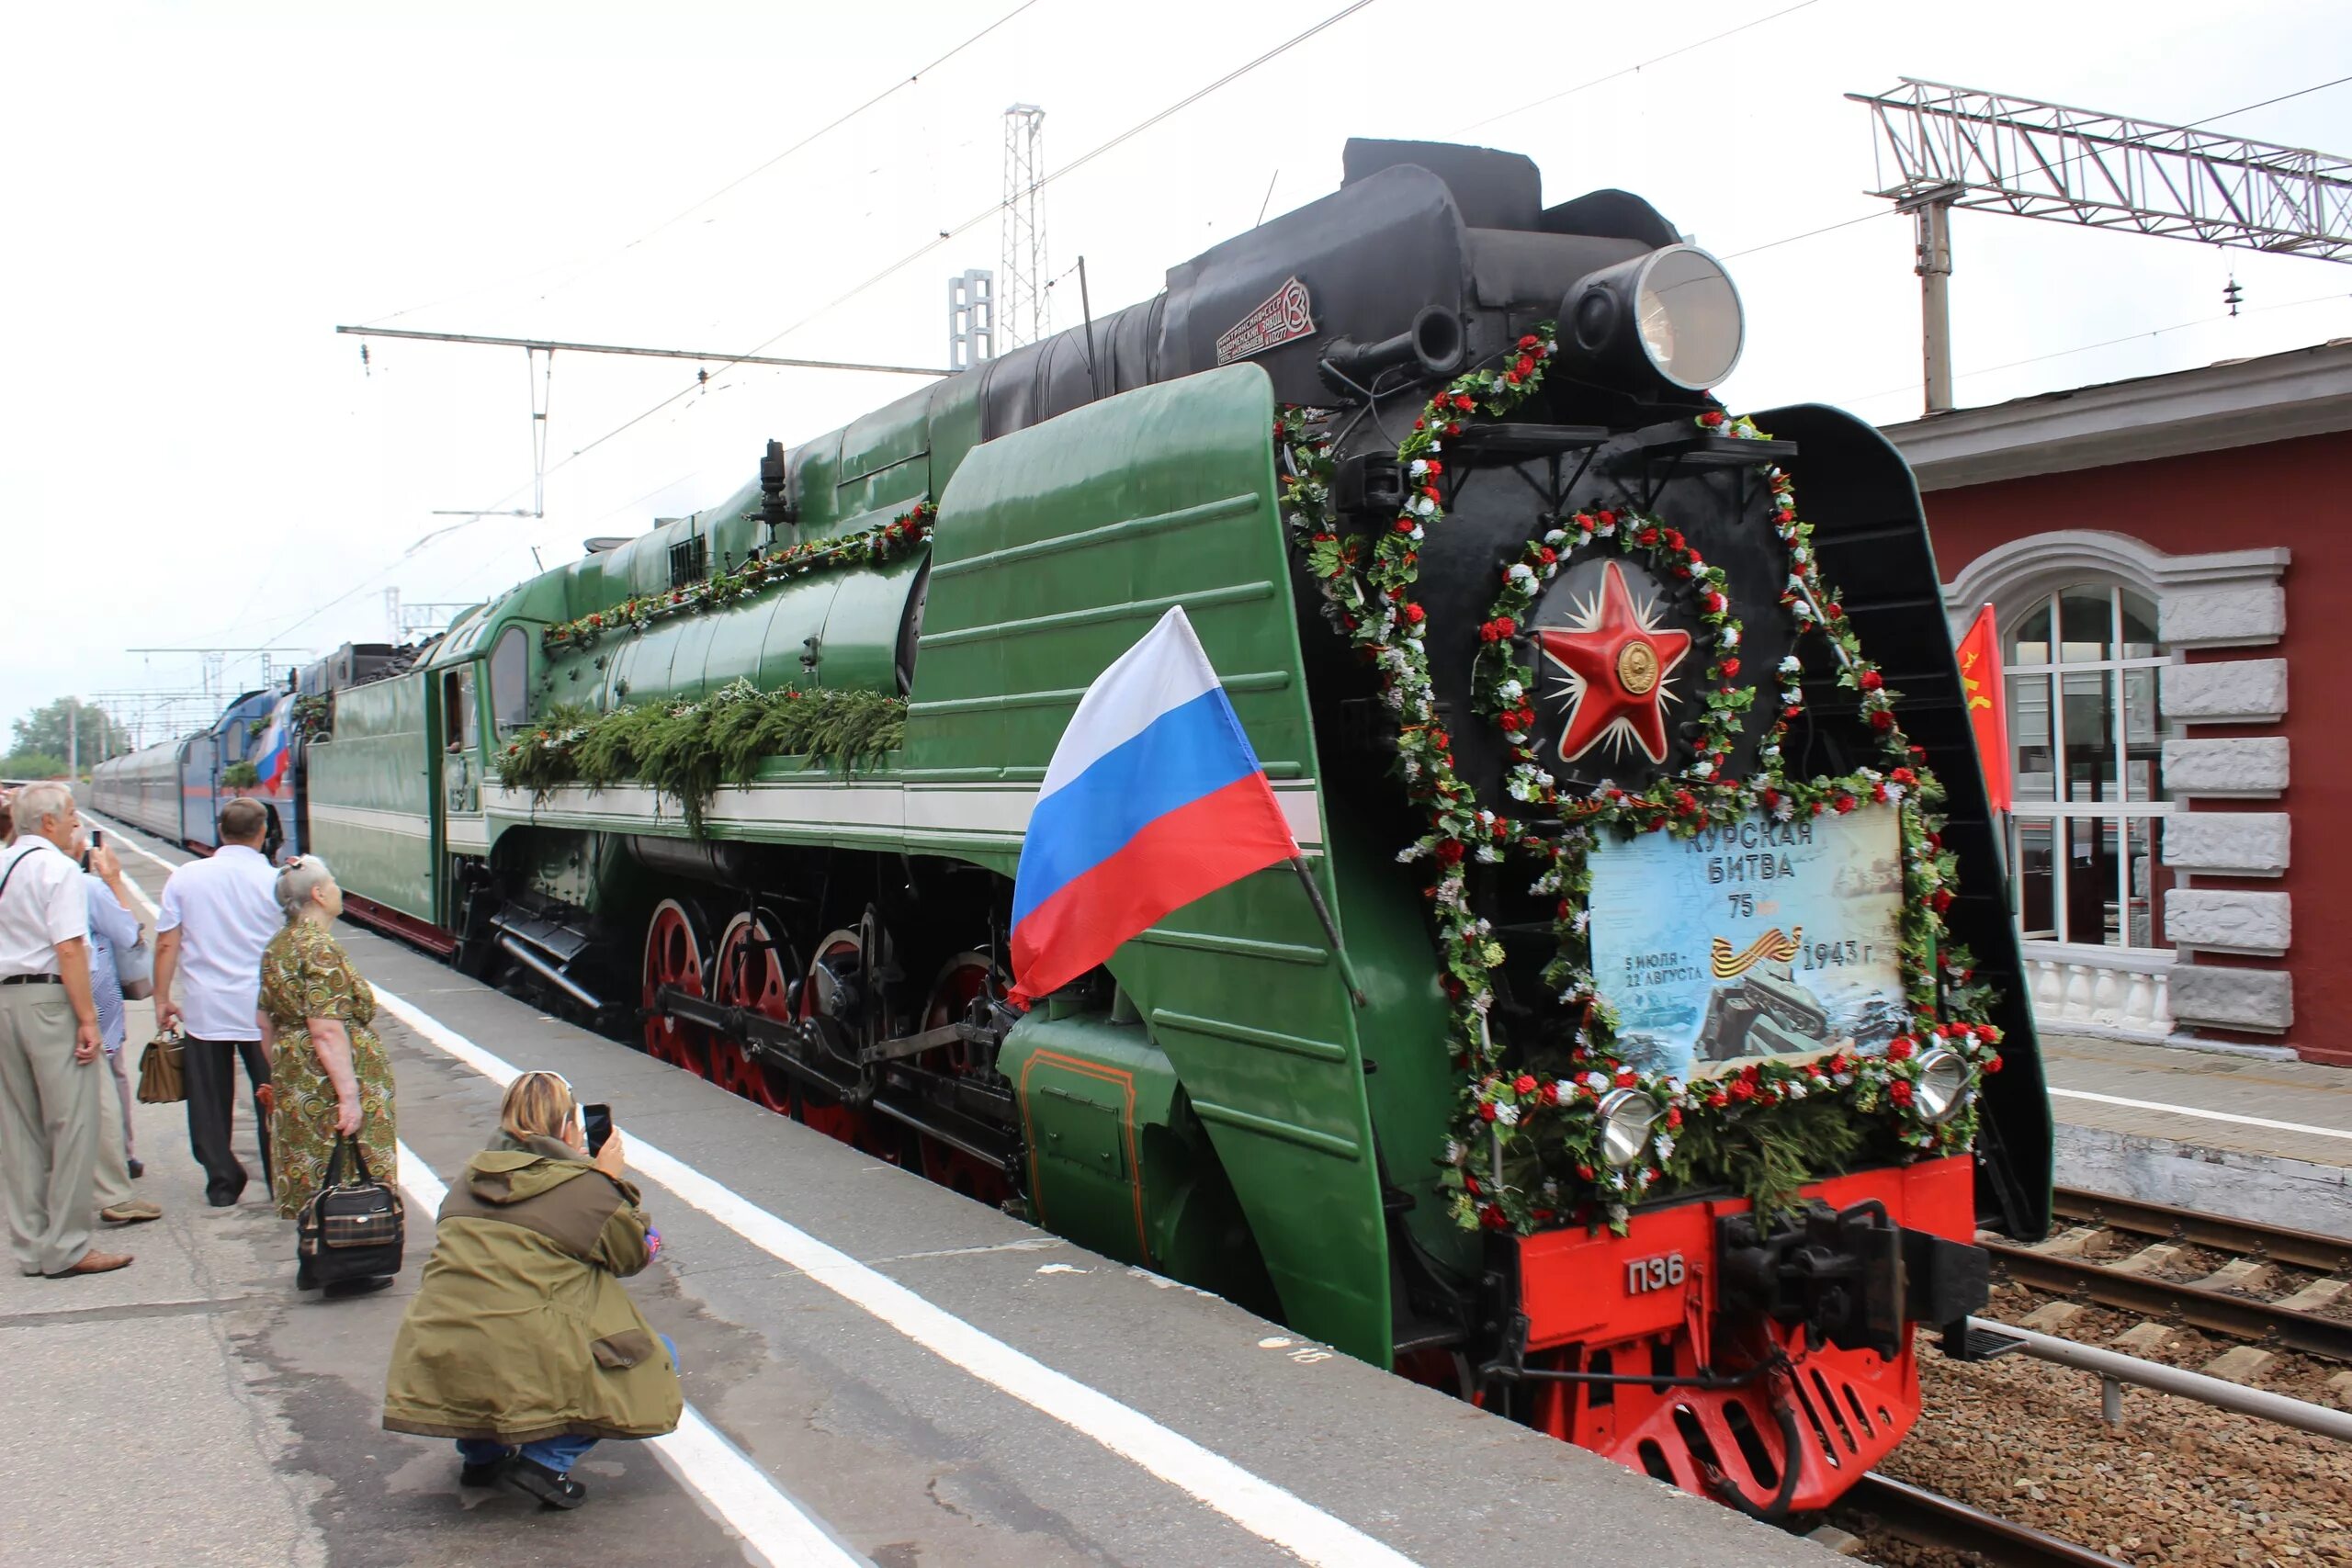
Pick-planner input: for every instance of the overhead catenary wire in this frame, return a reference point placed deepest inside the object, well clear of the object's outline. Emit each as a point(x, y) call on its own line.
point(2337, 294)
point(983, 216)
point(702, 381)
point(1639, 65)
point(897, 85)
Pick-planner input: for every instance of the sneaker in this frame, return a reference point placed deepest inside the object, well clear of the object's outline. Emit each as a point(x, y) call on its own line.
point(554, 1488)
point(489, 1474)
point(135, 1213)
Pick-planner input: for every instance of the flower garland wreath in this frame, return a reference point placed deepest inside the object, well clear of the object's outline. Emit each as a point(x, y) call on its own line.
point(878, 545)
point(1525, 1151)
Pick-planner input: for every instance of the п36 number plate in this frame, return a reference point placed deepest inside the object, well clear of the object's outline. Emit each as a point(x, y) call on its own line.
point(1660, 1273)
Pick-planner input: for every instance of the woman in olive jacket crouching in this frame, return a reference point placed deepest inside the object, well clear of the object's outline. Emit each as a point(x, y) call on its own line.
point(521, 1343)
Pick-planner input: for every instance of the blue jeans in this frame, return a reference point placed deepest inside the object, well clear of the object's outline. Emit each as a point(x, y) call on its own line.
point(559, 1454)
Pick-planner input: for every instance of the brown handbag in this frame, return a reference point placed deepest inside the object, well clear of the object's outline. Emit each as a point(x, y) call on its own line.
point(161, 1079)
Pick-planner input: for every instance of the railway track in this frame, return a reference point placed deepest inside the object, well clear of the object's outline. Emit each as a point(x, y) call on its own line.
point(1928, 1519)
point(2220, 1301)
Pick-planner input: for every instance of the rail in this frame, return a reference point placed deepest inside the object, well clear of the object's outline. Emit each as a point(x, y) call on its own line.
point(1928, 1519)
point(2302, 1250)
point(2113, 1370)
point(2239, 1316)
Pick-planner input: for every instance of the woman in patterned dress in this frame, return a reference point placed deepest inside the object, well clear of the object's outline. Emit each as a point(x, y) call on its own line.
point(327, 1067)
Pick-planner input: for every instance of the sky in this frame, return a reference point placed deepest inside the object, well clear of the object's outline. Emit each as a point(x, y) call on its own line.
point(199, 194)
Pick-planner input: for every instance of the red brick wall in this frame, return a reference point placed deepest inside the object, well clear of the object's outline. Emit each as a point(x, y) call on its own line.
point(2297, 495)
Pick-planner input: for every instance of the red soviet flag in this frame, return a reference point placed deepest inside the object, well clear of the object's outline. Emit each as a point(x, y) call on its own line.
point(1980, 684)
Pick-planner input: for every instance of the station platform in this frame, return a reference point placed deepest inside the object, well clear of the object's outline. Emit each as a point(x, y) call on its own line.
point(2246, 1135)
point(878, 1374)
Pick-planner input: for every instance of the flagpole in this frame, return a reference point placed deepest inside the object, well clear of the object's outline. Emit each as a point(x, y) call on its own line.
point(1330, 929)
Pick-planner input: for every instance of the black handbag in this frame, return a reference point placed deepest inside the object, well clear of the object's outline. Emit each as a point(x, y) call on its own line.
point(353, 1230)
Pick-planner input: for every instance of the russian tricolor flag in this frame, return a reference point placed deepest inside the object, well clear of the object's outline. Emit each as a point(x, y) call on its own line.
point(1154, 799)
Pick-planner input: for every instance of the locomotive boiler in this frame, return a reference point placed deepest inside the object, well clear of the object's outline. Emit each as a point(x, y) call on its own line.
point(1672, 1047)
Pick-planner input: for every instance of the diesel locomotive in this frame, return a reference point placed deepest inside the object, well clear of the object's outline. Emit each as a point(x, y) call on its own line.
point(1657, 1044)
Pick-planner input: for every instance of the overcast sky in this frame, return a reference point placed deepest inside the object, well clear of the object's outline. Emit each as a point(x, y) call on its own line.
point(199, 193)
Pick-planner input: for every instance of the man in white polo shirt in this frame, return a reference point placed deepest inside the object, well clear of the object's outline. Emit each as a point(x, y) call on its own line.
point(216, 917)
point(50, 1049)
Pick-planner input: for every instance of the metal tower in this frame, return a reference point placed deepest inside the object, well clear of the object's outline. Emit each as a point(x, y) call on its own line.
point(1958, 147)
point(1026, 314)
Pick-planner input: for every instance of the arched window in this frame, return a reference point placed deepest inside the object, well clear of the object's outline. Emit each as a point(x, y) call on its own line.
point(2086, 740)
point(510, 673)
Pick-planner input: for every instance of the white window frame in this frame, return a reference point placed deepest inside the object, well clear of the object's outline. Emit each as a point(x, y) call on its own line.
point(2060, 813)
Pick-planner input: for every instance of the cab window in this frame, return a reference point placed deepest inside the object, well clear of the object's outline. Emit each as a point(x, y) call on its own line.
point(510, 675)
point(457, 710)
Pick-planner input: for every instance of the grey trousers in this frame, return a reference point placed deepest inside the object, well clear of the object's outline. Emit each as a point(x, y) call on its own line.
point(111, 1178)
point(127, 1093)
point(49, 1129)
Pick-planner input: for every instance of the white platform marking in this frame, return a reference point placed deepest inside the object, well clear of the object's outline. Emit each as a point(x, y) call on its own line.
point(1256, 1505)
point(701, 1457)
point(2208, 1115)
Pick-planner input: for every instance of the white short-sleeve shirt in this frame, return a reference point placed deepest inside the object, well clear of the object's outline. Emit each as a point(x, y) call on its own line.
point(225, 909)
point(41, 906)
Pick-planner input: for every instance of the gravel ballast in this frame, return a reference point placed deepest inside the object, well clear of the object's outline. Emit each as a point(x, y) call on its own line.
point(2180, 1483)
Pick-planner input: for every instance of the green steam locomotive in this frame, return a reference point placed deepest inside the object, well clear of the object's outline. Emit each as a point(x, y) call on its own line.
point(1670, 1049)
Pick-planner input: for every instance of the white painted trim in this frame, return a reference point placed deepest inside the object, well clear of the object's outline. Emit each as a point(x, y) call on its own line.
point(2043, 563)
point(704, 1461)
point(887, 805)
point(406, 824)
point(1257, 1505)
point(2278, 397)
point(467, 833)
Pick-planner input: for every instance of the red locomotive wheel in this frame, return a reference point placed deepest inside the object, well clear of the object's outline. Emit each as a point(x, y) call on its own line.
point(965, 977)
point(677, 949)
point(752, 969)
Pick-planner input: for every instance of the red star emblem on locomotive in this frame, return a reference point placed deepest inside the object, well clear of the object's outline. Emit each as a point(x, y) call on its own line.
point(1616, 662)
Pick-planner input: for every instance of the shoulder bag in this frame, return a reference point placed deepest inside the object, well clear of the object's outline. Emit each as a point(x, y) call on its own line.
point(161, 1079)
point(353, 1230)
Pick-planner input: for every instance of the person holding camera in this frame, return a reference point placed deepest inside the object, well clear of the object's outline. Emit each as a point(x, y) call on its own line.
point(521, 1342)
point(114, 930)
point(328, 1072)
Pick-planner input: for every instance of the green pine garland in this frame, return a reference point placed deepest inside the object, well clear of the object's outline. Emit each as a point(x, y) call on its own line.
point(1525, 1151)
point(686, 751)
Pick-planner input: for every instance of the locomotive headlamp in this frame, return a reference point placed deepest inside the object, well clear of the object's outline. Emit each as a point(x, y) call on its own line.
point(1626, 1116)
point(1942, 1088)
point(1671, 313)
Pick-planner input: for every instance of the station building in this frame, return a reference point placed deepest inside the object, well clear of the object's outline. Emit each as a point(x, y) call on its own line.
point(2169, 560)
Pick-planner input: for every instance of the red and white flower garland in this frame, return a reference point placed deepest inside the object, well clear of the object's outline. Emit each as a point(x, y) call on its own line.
point(1507, 1118)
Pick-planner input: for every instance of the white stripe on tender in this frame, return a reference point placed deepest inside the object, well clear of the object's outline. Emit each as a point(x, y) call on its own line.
point(701, 1457)
point(1165, 670)
point(1256, 1505)
point(886, 804)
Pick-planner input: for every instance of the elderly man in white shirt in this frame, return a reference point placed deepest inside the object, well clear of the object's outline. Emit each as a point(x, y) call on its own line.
point(51, 1070)
point(216, 917)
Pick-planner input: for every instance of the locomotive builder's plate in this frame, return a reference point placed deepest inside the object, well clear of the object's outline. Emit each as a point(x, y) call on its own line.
point(1762, 938)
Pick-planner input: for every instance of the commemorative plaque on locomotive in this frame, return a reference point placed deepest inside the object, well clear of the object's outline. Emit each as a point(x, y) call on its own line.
point(1759, 938)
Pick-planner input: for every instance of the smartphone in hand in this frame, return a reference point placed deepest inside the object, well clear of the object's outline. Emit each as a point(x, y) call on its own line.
point(596, 1121)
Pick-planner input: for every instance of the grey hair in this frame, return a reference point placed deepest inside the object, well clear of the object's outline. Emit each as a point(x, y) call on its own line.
point(298, 880)
point(36, 801)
